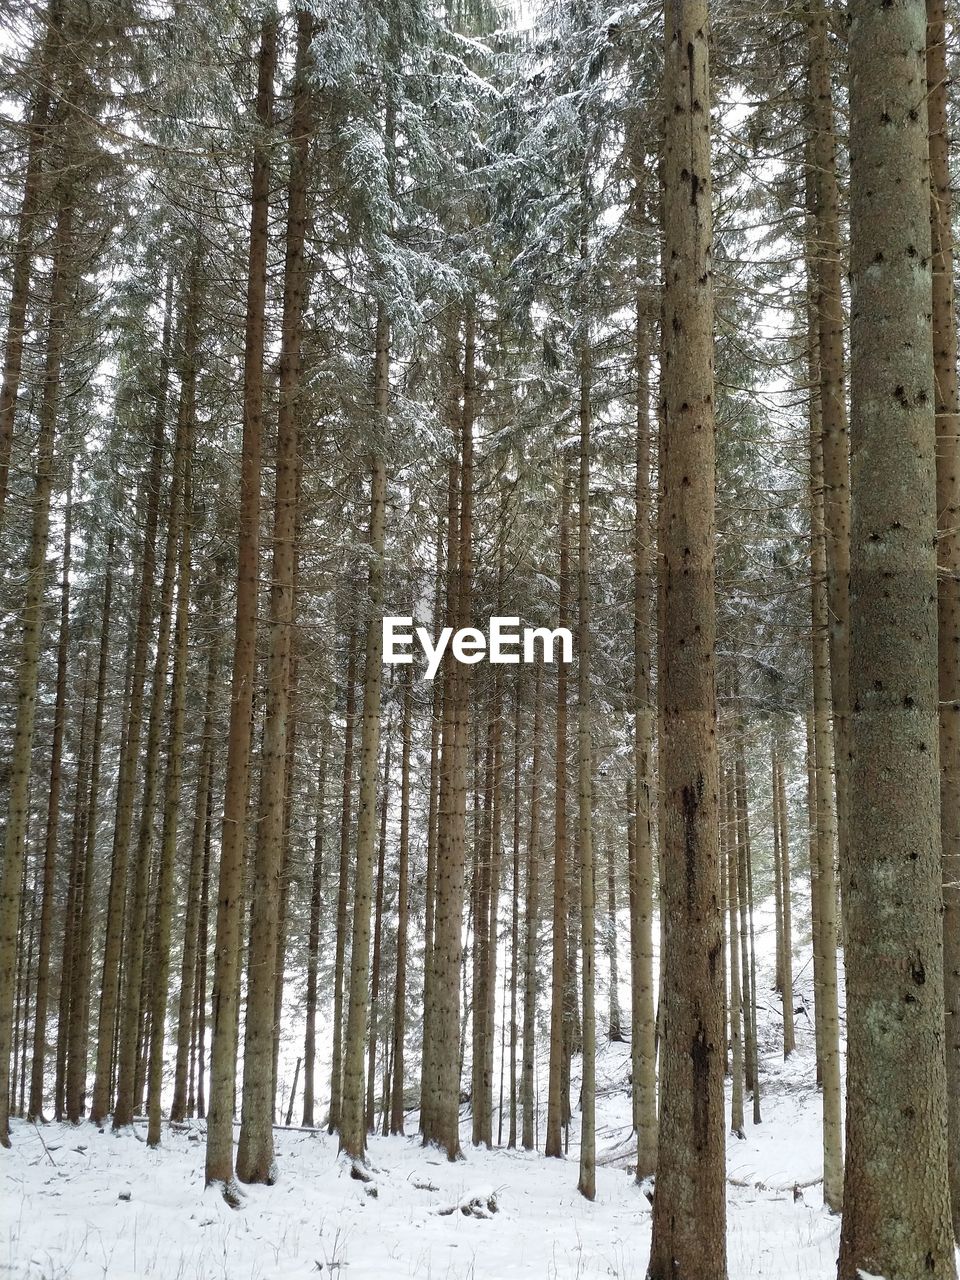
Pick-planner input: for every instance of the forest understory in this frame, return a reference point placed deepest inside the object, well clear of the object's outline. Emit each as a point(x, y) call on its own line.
point(83, 1203)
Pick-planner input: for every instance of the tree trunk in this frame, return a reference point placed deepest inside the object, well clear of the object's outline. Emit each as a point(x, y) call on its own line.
point(313, 934)
point(825, 972)
point(947, 403)
point(789, 1037)
point(729, 829)
point(403, 912)
point(892, 892)
point(223, 1056)
point(441, 1121)
point(339, 964)
point(353, 1126)
point(643, 1037)
point(531, 925)
point(555, 1108)
point(689, 1217)
point(374, 1019)
point(587, 1184)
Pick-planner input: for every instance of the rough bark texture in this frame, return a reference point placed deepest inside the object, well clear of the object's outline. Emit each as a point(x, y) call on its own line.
point(896, 1203)
point(947, 404)
point(689, 1211)
point(643, 1041)
point(403, 912)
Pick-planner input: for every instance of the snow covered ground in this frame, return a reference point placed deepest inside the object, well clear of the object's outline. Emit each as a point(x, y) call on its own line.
point(80, 1204)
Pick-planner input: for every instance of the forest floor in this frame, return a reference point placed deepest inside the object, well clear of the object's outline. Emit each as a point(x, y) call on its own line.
point(81, 1204)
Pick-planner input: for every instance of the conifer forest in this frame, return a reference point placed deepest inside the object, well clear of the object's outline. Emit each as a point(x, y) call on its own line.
point(479, 640)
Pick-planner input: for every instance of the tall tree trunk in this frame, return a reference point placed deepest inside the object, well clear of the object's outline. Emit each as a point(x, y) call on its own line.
point(587, 1184)
point(777, 868)
point(531, 927)
point(353, 1126)
point(736, 986)
point(828, 301)
point(892, 891)
point(825, 989)
point(643, 1032)
point(130, 748)
point(227, 953)
point(403, 912)
point(313, 935)
point(31, 630)
point(374, 1018)
point(689, 1217)
point(339, 964)
point(789, 1036)
point(743, 861)
point(555, 1109)
point(255, 1160)
point(441, 1122)
point(515, 921)
point(948, 559)
point(51, 841)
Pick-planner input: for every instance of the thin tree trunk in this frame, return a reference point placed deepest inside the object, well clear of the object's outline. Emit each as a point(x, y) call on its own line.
point(736, 987)
point(339, 964)
point(587, 1184)
point(531, 922)
point(403, 912)
point(515, 922)
point(789, 1035)
point(555, 1108)
point(643, 1031)
point(353, 1109)
point(441, 1121)
point(377, 945)
point(313, 935)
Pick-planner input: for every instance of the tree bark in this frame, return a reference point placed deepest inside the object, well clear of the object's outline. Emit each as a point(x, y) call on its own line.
point(223, 1056)
point(947, 404)
point(689, 1211)
point(892, 890)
